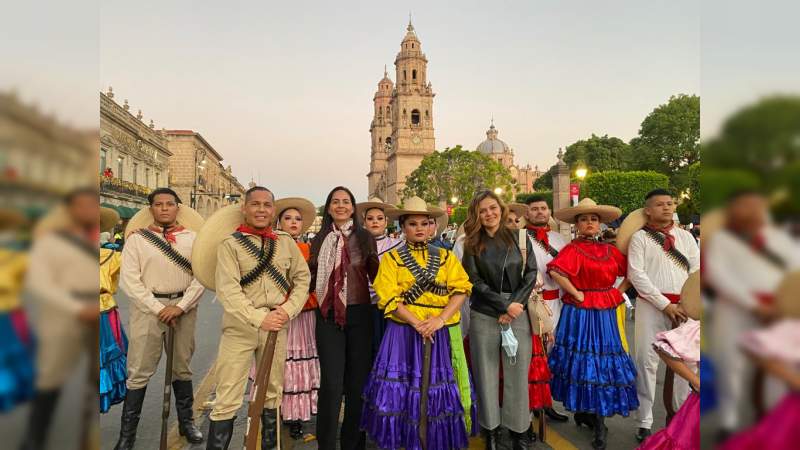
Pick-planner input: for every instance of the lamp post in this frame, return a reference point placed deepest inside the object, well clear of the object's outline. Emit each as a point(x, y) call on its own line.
point(580, 172)
point(498, 191)
point(197, 165)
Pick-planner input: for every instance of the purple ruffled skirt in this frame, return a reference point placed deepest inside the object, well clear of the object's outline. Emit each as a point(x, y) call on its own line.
point(392, 393)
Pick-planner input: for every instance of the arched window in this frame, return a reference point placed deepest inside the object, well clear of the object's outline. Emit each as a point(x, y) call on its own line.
point(414, 74)
point(387, 110)
point(426, 114)
point(405, 76)
point(389, 140)
point(415, 117)
point(412, 45)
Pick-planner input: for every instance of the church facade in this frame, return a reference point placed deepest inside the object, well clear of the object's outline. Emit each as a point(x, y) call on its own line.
point(523, 176)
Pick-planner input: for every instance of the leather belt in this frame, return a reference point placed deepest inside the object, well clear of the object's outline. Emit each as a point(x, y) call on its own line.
point(172, 296)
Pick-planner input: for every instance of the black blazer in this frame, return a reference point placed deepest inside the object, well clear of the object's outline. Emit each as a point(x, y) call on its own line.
point(485, 272)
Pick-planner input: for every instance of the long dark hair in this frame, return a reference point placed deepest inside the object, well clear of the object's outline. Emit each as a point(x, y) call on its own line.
point(359, 232)
point(475, 240)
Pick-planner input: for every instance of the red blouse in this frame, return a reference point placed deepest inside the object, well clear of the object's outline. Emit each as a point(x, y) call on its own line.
point(311, 303)
point(593, 268)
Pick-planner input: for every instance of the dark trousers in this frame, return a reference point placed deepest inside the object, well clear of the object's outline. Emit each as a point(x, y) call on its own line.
point(345, 359)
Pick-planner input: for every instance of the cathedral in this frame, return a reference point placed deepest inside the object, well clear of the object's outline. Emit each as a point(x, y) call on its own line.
point(402, 128)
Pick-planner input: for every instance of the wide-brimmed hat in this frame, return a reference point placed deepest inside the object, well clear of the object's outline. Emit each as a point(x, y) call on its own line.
point(204, 251)
point(588, 206)
point(635, 221)
point(372, 203)
point(187, 217)
point(690, 296)
point(441, 220)
point(415, 206)
point(108, 218)
point(521, 210)
point(710, 223)
point(11, 218)
point(306, 208)
point(787, 297)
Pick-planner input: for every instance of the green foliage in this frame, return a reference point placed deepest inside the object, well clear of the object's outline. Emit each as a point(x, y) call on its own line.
point(456, 172)
point(598, 153)
point(548, 195)
point(545, 181)
point(625, 190)
point(718, 184)
point(459, 214)
point(668, 138)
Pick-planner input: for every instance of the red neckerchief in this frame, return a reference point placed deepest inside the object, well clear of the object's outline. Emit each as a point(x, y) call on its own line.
point(669, 240)
point(264, 233)
point(167, 232)
point(541, 233)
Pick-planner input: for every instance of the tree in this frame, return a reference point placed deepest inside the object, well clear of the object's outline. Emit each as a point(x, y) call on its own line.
point(455, 172)
point(545, 181)
point(669, 137)
point(598, 153)
point(625, 190)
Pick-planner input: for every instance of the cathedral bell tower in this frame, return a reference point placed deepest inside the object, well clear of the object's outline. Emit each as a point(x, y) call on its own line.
point(381, 133)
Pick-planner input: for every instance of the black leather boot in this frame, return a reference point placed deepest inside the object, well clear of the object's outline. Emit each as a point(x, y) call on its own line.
point(582, 418)
point(184, 398)
point(219, 434)
point(269, 429)
point(295, 429)
point(491, 437)
point(600, 433)
point(131, 411)
point(519, 441)
point(552, 414)
point(42, 408)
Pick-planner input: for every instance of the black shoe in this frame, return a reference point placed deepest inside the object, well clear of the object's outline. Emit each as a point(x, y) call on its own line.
point(519, 441)
point(491, 437)
point(552, 414)
point(219, 434)
point(296, 430)
point(582, 418)
point(131, 412)
point(42, 408)
point(531, 434)
point(269, 429)
point(642, 434)
point(184, 399)
point(600, 433)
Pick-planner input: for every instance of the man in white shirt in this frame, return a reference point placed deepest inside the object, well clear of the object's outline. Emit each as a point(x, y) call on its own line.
point(660, 258)
point(156, 275)
point(745, 263)
point(546, 244)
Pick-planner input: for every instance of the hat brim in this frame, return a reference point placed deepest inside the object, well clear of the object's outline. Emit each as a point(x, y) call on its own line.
point(187, 217)
point(108, 218)
point(605, 212)
point(306, 208)
point(710, 223)
point(441, 221)
point(362, 208)
point(432, 212)
point(690, 296)
point(204, 251)
point(633, 223)
point(786, 296)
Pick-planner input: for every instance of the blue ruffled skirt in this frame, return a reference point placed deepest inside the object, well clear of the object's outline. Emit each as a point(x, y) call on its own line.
point(17, 372)
point(591, 371)
point(392, 393)
point(113, 362)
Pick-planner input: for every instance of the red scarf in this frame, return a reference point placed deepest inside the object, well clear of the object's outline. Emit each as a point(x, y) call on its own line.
point(264, 233)
point(167, 232)
point(669, 240)
point(541, 233)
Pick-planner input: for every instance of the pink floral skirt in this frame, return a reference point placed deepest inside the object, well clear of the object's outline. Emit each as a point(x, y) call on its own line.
point(301, 372)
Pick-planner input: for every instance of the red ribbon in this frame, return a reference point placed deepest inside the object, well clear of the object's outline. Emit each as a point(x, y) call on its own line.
point(264, 232)
point(168, 232)
point(541, 233)
point(669, 240)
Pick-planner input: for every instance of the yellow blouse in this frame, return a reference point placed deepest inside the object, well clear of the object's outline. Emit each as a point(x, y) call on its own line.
point(109, 277)
point(12, 275)
point(394, 278)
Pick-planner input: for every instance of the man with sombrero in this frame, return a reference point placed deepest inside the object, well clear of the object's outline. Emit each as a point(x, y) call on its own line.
point(156, 275)
point(262, 281)
point(660, 258)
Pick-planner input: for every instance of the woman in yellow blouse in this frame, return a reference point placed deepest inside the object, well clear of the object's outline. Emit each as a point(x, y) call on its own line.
point(113, 342)
point(420, 290)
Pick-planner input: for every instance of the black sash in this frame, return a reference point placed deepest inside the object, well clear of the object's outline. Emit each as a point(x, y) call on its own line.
point(264, 265)
point(547, 247)
point(673, 253)
point(425, 279)
point(81, 244)
point(164, 247)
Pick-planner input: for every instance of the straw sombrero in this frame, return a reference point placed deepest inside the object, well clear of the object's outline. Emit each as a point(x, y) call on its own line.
point(306, 208)
point(11, 218)
point(787, 296)
point(521, 211)
point(374, 202)
point(588, 206)
point(635, 221)
point(108, 218)
point(690, 296)
point(441, 221)
point(416, 206)
point(187, 217)
point(710, 223)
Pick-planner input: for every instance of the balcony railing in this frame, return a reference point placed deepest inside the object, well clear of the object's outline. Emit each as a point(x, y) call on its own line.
point(115, 185)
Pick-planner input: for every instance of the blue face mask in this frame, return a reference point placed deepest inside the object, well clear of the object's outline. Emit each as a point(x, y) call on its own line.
point(509, 343)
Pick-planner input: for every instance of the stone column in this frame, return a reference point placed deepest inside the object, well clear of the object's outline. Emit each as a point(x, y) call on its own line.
point(561, 191)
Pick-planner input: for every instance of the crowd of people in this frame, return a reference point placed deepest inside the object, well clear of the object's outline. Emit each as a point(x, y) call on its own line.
point(426, 346)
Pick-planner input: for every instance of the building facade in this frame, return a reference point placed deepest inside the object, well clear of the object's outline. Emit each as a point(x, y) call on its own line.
point(401, 131)
point(197, 174)
point(523, 176)
point(134, 158)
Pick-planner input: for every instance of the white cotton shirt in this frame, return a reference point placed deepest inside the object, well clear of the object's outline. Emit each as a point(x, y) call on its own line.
point(558, 242)
point(653, 273)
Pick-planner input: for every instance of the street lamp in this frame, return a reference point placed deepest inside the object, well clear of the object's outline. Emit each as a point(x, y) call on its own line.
point(453, 200)
point(498, 190)
point(580, 173)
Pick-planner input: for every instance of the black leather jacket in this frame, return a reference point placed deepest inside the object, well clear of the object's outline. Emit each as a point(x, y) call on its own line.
point(486, 271)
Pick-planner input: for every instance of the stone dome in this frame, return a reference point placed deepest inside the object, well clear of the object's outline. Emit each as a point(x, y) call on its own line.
point(492, 145)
